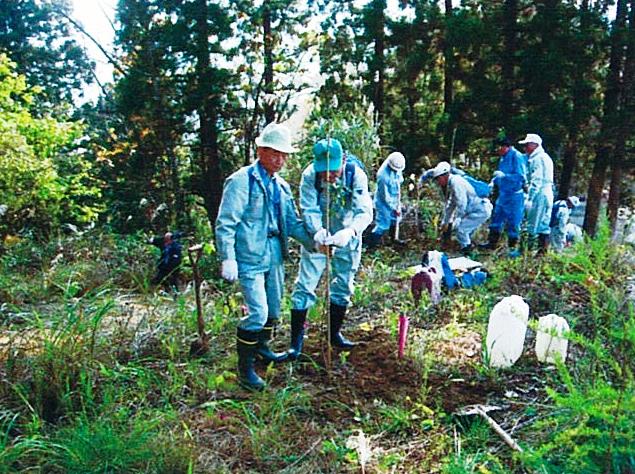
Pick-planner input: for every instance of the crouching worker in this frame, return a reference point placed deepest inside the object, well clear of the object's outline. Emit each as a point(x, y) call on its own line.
point(387, 197)
point(169, 263)
point(560, 219)
point(256, 216)
point(464, 210)
point(349, 212)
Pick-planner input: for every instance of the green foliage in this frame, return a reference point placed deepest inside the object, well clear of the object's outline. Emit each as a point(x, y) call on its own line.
point(355, 131)
point(592, 428)
point(42, 182)
point(32, 270)
point(108, 444)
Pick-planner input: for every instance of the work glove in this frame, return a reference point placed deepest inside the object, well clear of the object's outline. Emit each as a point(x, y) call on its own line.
point(229, 270)
point(498, 174)
point(341, 238)
point(320, 237)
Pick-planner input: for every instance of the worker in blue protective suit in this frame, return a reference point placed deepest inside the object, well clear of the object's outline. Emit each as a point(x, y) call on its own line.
point(256, 217)
point(338, 226)
point(464, 210)
point(510, 205)
point(539, 200)
point(560, 219)
point(387, 196)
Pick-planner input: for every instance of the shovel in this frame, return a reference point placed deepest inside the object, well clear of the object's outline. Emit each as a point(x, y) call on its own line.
point(482, 410)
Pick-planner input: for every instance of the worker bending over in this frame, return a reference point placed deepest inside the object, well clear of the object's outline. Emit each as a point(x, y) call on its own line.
point(464, 210)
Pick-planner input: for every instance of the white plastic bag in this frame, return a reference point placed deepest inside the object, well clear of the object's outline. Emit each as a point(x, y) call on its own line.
point(550, 343)
point(506, 331)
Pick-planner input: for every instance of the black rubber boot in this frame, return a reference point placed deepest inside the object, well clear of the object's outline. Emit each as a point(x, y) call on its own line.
point(263, 351)
point(543, 244)
point(298, 318)
point(337, 318)
point(492, 240)
point(247, 344)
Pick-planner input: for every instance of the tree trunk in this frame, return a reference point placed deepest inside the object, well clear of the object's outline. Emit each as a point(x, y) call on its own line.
point(508, 109)
point(616, 187)
point(624, 125)
point(211, 186)
point(448, 83)
point(270, 111)
point(568, 163)
point(607, 131)
point(580, 96)
point(380, 64)
point(179, 201)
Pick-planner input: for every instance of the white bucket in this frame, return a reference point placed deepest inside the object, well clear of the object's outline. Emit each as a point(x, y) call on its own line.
point(550, 343)
point(506, 331)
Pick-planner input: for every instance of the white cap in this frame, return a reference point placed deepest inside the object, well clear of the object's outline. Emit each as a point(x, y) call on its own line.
point(276, 136)
point(396, 161)
point(440, 169)
point(531, 138)
point(574, 200)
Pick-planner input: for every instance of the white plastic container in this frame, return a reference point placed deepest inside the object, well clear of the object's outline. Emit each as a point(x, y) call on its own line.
point(506, 331)
point(550, 343)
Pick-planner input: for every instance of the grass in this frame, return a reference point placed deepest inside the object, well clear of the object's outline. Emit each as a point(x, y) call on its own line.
point(99, 378)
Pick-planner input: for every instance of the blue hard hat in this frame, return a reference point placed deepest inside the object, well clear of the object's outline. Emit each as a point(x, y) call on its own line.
point(327, 150)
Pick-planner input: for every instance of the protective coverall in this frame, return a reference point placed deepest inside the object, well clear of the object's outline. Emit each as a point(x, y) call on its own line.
point(256, 217)
point(351, 207)
point(464, 210)
point(540, 197)
point(509, 208)
point(559, 230)
point(387, 200)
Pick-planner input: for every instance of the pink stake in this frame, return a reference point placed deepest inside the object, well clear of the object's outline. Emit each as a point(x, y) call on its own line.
point(403, 333)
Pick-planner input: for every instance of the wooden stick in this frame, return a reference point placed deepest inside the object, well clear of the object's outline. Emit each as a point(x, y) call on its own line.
point(500, 431)
point(194, 253)
point(327, 295)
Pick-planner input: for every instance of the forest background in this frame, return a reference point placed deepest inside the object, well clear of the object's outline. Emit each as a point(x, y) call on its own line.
point(195, 82)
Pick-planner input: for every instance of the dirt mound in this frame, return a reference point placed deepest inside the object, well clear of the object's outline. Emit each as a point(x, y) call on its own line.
point(368, 374)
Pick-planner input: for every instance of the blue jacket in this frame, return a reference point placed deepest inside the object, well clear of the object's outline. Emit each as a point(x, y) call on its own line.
point(170, 254)
point(512, 164)
point(242, 224)
point(387, 196)
point(350, 207)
